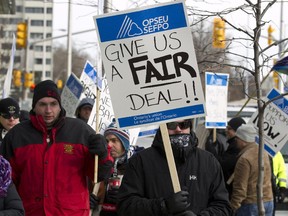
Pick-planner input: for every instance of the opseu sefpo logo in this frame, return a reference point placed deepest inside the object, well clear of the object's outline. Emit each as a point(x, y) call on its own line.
point(147, 26)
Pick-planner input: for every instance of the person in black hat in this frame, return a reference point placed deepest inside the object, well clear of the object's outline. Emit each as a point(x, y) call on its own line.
point(51, 156)
point(9, 115)
point(147, 188)
point(228, 159)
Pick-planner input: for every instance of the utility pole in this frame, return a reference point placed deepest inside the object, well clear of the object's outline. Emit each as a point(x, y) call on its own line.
point(280, 55)
point(69, 40)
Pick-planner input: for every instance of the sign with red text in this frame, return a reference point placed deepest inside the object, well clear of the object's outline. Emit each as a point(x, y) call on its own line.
point(150, 64)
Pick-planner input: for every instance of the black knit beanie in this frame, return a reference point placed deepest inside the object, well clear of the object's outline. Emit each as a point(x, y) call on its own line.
point(46, 88)
point(236, 122)
point(9, 106)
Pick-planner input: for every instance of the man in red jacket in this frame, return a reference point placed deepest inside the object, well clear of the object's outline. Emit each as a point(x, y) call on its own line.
point(51, 155)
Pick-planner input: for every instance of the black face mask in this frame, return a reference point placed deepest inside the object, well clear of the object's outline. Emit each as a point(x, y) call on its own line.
point(181, 143)
point(180, 140)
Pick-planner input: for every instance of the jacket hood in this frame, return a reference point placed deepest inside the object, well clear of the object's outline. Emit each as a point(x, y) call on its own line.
point(83, 102)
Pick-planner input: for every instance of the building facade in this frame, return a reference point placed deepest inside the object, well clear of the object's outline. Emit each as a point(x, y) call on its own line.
point(37, 58)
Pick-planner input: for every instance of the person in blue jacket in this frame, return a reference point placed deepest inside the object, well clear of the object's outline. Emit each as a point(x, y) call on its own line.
point(146, 188)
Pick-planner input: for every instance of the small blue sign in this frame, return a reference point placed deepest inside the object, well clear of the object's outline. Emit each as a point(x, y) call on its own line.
point(92, 73)
point(217, 79)
point(281, 102)
point(75, 87)
point(152, 20)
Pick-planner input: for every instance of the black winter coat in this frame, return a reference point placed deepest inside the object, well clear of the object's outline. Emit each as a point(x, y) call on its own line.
point(147, 181)
point(228, 162)
point(11, 204)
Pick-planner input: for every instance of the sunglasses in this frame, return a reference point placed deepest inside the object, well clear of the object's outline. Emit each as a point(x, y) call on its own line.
point(174, 125)
point(8, 116)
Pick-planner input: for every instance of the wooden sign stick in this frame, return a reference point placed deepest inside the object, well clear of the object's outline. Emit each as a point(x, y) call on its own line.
point(170, 158)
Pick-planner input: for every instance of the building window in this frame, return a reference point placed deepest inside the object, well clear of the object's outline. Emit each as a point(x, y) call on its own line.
point(48, 35)
point(48, 61)
point(48, 48)
point(49, 23)
point(37, 76)
point(34, 10)
point(17, 59)
point(37, 22)
point(49, 10)
point(48, 74)
point(38, 48)
point(19, 9)
point(38, 61)
point(6, 46)
point(36, 35)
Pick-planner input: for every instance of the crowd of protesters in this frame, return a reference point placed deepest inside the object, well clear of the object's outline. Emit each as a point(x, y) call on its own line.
point(47, 166)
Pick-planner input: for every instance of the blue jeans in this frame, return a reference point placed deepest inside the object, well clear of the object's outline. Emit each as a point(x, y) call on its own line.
point(252, 209)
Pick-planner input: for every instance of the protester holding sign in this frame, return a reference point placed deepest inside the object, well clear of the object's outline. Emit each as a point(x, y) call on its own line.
point(147, 189)
point(118, 142)
point(51, 155)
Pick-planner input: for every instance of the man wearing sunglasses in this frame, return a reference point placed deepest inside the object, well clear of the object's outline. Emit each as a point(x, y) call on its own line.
point(147, 189)
point(9, 116)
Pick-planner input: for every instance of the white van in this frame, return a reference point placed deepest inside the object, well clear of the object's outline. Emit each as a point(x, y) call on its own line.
point(246, 112)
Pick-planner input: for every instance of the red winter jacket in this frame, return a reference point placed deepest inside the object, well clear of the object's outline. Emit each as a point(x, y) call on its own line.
point(50, 168)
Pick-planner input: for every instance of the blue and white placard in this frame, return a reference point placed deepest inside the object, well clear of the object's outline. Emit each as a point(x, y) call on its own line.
point(275, 134)
point(70, 95)
point(150, 63)
point(216, 99)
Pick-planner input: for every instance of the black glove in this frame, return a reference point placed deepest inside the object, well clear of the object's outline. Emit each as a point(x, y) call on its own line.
point(186, 213)
point(94, 201)
point(112, 195)
point(281, 195)
point(98, 145)
point(178, 202)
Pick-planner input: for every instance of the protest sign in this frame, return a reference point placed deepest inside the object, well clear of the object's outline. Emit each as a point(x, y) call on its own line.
point(216, 99)
point(90, 81)
point(70, 95)
point(105, 113)
point(150, 63)
point(8, 78)
point(275, 123)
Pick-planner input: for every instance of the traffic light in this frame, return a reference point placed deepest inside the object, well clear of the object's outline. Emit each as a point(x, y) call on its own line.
point(28, 80)
point(270, 31)
point(275, 80)
point(219, 33)
point(21, 36)
point(59, 84)
point(17, 78)
point(275, 77)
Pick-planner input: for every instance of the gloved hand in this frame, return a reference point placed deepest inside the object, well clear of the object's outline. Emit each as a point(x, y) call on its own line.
point(98, 145)
point(178, 202)
point(186, 213)
point(105, 166)
point(94, 201)
point(112, 195)
point(281, 195)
